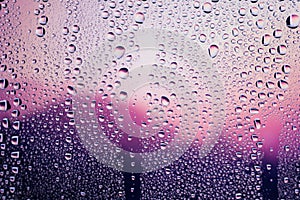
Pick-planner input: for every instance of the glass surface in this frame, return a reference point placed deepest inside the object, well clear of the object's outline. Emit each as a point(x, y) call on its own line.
point(157, 99)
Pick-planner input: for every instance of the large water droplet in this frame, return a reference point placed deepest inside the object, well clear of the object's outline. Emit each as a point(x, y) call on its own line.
point(40, 31)
point(281, 49)
point(139, 17)
point(110, 36)
point(123, 73)
point(75, 29)
point(207, 7)
point(266, 39)
point(71, 48)
point(3, 83)
point(71, 90)
point(282, 84)
point(257, 123)
point(123, 95)
point(286, 69)
point(293, 21)
point(43, 20)
point(213, 50)
point(277, 33)
point(202, 38)
point(260, 23)
point(119, 51)
point(165, 101)
point(4, 105)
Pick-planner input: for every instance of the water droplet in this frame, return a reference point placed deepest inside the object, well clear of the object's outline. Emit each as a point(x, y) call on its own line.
point(105, 14)
point(165, 101)
point(40, 31)
point(4, 105)
point(207, 7)
point(238, 196)
point(253, 111)
point(266, 39)
point(270, 85)
point(75, 29)
point(286, 69)
point(123, 95)
point(260, 23)
point(259, 84)
point(3, 83)
point(254, 11)
point(5, 123)
point(123, 73)
point(238, 109)
point(15, 140)
point(139, 17)
point(196, 4)
point(71, 48)
point(213, 51)
point(71, 90)
point(161, 134)
point(281, 49)
point(65, 31)
point(277, 33)
point(15, 154)
point(257, 123)
point(68, 156)
point(119, 52)
point(15, 113)
point(202, 38)
point(174, 65)
point(280, 97)
point(242, 11)
point(110, 36)
point(43, 20)
point(235, 32)
point(293, 21)
point(17, 102)
point(282, 84)
point(78, 61)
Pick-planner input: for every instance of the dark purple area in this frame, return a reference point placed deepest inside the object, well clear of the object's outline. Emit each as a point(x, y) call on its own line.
point(45, 173)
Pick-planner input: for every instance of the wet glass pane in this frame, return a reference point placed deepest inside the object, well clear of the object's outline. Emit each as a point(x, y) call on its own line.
point(149, 99)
